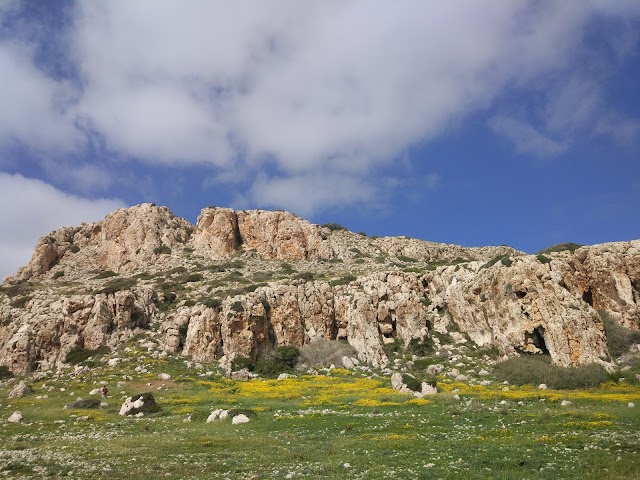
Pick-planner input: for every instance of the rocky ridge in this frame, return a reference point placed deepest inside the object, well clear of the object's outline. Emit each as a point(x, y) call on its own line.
point(237, 284)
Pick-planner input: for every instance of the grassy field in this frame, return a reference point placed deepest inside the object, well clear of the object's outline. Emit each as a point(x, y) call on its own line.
point(337, 424)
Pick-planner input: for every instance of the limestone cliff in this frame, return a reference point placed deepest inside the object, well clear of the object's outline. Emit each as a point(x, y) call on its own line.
point(239, 283)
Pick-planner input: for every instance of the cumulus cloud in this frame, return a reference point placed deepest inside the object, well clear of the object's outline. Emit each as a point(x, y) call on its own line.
point(306, 192)
point(331, 89)
point(34, 109)
point(33, 208)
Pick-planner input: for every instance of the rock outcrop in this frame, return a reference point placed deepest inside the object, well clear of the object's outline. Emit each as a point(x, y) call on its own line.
point(220, 290)
point(139, 405)
point(41, 336)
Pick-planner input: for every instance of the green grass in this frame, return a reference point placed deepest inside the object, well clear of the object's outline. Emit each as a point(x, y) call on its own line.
point(310, 427)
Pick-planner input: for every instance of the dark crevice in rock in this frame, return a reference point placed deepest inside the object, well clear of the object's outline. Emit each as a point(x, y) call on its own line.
point(587, 296)
point(537, 336)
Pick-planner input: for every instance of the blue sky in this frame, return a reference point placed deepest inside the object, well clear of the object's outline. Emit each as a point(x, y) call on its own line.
point(475, 123)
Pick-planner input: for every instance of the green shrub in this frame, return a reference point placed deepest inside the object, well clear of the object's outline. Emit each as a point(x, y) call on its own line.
point(404, 258)
point(333, 226)
point(420, 347)
point(619, 338)
point(5, 372)
point(210, 302)
point(506, 261)
point(143, 276)
point(117, 285)
point(393, 348)
point(422, 363)
point(542, 258)
point(237, 307)
point(254, 287)
point(79, 355)
point(162, 250)
point(21, 302)
point(241, 363)
point(306, 276)
point(19, 289)
point(411, 382)
point(191, 277)
point(74, 248)
point(503, 259)
point(58, 274)
point(537, 369)
point(84, 404)
point(233, 264)
point(105, 274)
point(176, 270)
point(262, 276)
point(561, 247)
point(322, 353)
point(342, 281)
point(282, 359)
point(286, 268)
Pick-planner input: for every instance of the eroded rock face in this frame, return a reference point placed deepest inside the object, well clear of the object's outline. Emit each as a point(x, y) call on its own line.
point(127, 240)
point(281, 235)
point(216, 234)
point(42, 336)
point(529, 304)
point(364, 312)
point(545, 305)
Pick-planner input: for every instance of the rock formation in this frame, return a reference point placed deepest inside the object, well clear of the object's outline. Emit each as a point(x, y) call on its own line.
point(220, 289)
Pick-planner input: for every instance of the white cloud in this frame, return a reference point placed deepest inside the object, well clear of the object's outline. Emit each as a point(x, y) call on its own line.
point(34, 109)
point(306, 192)
point(33, 208)
point(299, 88)
point(624, 130)
point(525, 138)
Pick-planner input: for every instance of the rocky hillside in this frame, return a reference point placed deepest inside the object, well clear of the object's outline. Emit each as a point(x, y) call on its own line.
point(240, 283)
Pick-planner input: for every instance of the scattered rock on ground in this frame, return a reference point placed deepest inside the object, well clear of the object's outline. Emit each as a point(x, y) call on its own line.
point(16, 417)
point(20, 390)
point(241, 418)
point(218, 414)
point(139, 404)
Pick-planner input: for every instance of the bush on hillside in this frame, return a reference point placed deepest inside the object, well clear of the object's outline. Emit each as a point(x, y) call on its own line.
point(5, 372)
point(79, 355)
point(561, 247)
point(322, 353)
point(420, 347)
point(333, 226)
point(280, 360)
point(619, 338)
point(537, 369)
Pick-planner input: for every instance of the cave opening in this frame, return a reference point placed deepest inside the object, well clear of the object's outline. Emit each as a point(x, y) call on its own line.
point(537, 338)
point(587, 296)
